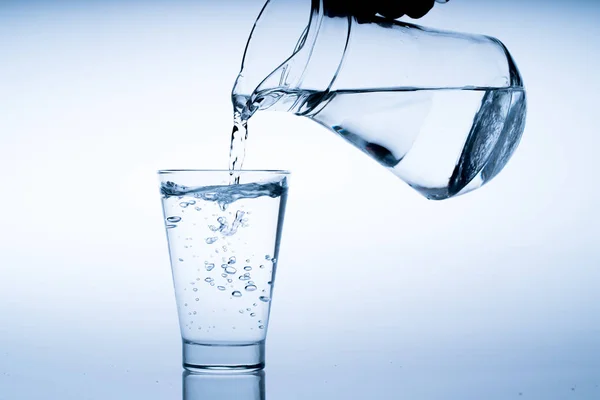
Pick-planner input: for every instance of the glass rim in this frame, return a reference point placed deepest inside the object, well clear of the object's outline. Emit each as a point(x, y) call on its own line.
point(243, 171)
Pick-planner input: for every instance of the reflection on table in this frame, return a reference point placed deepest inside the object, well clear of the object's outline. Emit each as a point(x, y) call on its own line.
point(224, 386)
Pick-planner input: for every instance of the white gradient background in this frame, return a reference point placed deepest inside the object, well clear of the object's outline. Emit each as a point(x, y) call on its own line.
point(380, 294)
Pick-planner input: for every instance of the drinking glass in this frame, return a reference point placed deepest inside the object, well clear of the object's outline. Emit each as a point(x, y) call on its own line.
point(223, 241)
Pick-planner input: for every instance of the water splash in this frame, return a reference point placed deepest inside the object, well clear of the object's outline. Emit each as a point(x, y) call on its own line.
point(224, 195)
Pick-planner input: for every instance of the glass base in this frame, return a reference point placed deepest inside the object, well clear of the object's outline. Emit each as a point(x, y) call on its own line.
point(234, 358)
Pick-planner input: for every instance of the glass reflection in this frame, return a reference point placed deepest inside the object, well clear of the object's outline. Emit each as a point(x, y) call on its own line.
point(224, 386)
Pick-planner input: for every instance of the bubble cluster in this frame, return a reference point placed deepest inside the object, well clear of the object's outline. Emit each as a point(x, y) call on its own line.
point(248, 290)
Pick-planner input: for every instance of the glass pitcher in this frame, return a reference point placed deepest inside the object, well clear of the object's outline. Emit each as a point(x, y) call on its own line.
point(444, 111)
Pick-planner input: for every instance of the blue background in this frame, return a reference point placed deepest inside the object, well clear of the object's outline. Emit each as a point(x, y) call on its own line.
point(380, 293)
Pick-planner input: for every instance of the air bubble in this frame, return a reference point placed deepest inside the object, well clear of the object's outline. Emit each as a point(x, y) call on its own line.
point(181, 259)
point(197, 208)
point(250, 288)
point(221, 287)
point(209, 266)
point(224, 275)
point(247, 260)
point(247, 268)
point(195, 289)
point(197, 299)
point(229, 280)
point(252, 314)
point(211, 240)
point(231, 260)
point(262, 267)
point(173, 219)
point(244, 278)
point(267, 257)
point(236, 293)
point(264, 299)
point(230, 270)
point(184, 204)
point(209, 279)
point(191, 202)
point(261, 327)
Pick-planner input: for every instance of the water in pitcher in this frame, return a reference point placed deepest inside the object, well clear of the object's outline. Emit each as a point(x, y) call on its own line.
point(378, 84)
point(442, 142)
